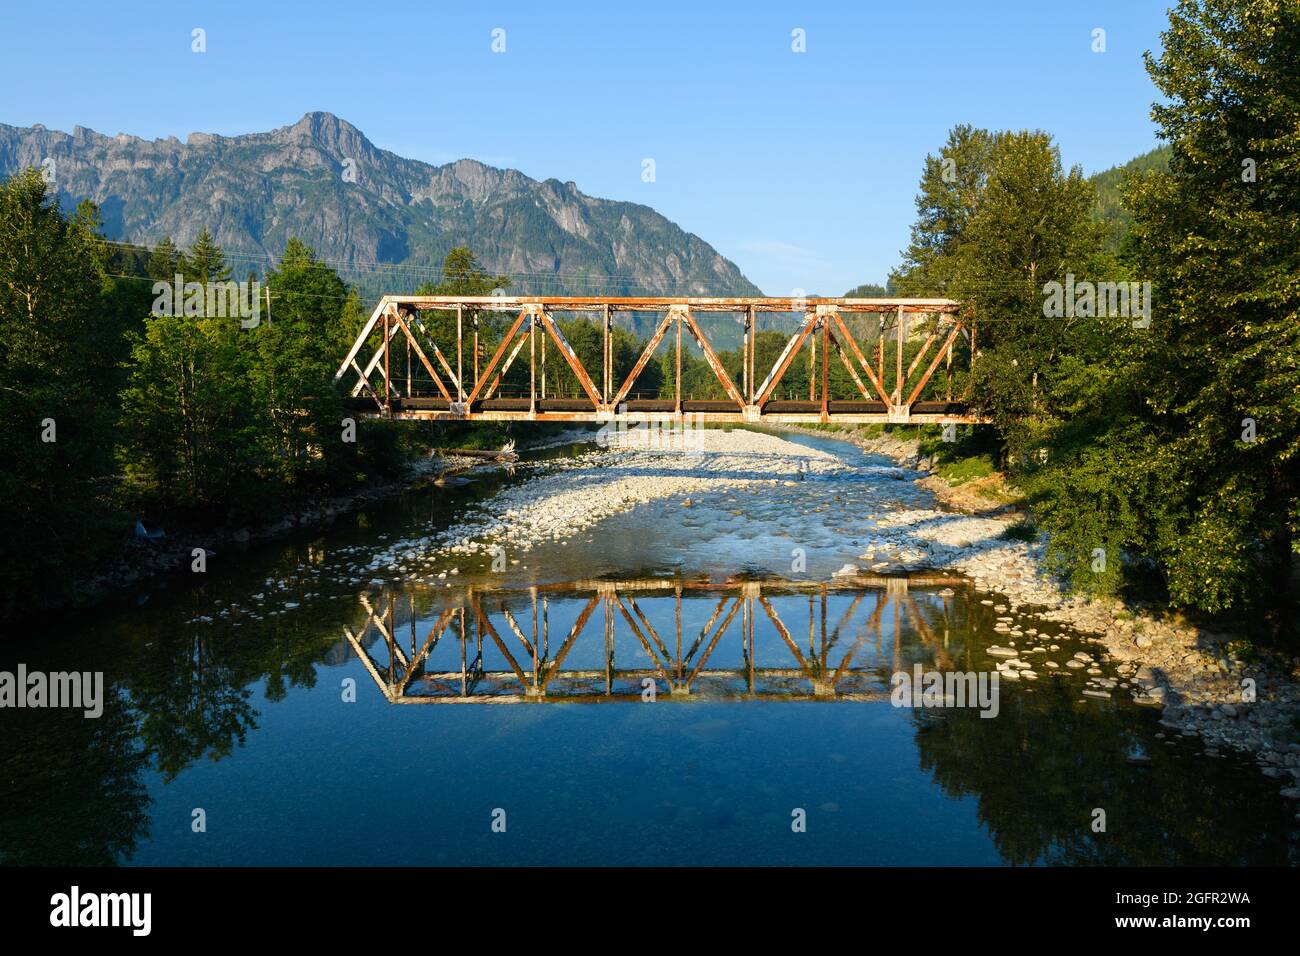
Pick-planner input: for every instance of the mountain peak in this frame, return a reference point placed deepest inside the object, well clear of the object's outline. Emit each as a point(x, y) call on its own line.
point(337, 137)
point(321, 180)
point(322, 124)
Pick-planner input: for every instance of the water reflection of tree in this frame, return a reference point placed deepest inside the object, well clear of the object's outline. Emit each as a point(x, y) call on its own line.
point(70, 787)
point(194, 694)
point(1040, 767)
point(73, 789)
point(193, 700)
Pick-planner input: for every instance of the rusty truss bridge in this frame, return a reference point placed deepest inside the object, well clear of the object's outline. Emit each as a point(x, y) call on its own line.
point(601, 641)
point(460, 387)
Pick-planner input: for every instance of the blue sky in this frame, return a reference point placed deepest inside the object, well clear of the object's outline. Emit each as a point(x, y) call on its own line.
point(800, 167)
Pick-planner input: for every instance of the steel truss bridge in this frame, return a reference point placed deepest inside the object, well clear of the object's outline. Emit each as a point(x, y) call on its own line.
point(490, 645)
point(883, 394)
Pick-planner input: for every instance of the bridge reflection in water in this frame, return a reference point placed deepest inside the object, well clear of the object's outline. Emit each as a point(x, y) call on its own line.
point(595, 641)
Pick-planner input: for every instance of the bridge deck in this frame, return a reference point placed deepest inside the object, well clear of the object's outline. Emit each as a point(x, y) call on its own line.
point(665, 410)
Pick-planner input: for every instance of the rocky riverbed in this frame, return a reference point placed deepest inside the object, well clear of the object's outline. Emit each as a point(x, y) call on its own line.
point(1164, 660)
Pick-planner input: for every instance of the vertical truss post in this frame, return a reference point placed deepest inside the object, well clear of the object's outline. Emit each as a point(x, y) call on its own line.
point(753, 349)
point(679, 632)
point(475, 320)
point(812, 366)
point(812, 634)
point(532, 365)
point(900, 332)
point(460, 363)
point(609, 644)
point(388, 402)
point(947, 394)
point(753, 647)
point(880, 353)
point(543, 366)
point(823, 625)
point(826, 367)
point(464, 683)
point(677, 378)
point(388, 635)
point(604, 392)
point(744, 359)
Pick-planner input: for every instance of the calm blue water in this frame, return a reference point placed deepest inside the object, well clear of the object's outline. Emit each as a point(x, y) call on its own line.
point(249, 716)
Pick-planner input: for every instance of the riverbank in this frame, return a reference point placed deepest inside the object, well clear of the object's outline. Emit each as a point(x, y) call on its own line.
point(1200, 678)
point(142, 559)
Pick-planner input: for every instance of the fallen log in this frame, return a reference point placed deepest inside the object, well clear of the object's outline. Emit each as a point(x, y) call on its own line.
point(492, 454)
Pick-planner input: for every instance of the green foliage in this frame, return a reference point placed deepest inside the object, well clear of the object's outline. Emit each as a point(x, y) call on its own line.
point(869, 290)
point(177, 415)
point(1147, 457)
point(970, 456)
point(1135, 443)
point(60, 333)
point(223, 422)
point(189, 425)
point(462, 275)
point(1022, 530)
point(998, 218)
point(1216, 234)
point(1109, 186)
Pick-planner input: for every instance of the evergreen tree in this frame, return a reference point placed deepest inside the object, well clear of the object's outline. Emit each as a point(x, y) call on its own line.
point(57, 349)
point(164, 261)
point(1217, 234)
point(205, 261)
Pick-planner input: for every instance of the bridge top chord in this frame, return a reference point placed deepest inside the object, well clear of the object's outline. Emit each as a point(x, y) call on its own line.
point(593, 303)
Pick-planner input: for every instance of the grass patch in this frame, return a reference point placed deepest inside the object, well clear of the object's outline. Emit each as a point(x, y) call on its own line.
point(971, 456)
point(1022, 530)
point(962, 470)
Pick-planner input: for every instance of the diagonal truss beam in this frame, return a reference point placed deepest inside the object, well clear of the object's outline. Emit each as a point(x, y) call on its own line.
point(571, 358)
point(578, 627)
point(642, 638)
point(876, 383)
point(934, 364)
point(792, 348)
point(715, 363)
point(505, 341)
point(486, 625)
point(430, 642)
point(717, 636)
point(848, 366)
point(428, 366)
point(520, 342)
point(641, 362)
point(785, 636)
point(374, 364)
point(360, 340)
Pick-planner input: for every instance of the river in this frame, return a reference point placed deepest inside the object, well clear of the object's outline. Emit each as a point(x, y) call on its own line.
point(708, 691)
